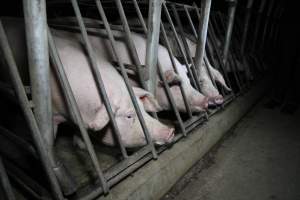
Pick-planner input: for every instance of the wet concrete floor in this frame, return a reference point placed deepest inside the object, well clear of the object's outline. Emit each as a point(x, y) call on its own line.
point(258, 160)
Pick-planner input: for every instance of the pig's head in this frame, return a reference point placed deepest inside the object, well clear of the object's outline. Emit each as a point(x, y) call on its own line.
point(131, 131)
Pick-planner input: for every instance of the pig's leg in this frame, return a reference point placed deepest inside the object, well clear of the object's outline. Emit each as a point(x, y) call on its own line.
point(217, 76)
point(171, 77)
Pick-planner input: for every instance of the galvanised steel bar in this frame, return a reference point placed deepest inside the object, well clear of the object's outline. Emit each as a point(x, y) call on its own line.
point(5, 183)
point(231, 17)
point(154, 15)
point(130, 44)
point(267, 24)
point(258, 24)
point(38, 58)
point(126, 79)
point(187, 106)
point(182, 51)
point(187, 12)
point(25, 105)
point(202, 34)
point(246, 25)
point(185, 44)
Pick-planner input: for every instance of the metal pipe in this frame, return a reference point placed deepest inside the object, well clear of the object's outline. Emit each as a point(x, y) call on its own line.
point(190, 21)
point(195, 82)
point(267, 24)
point(246, 25)
point(25, 105)
point(154, 15)
point(126, 80)
point(130, 44)
point(202, 34)
point(231, 17)
point(5, 183)
point(140, 16)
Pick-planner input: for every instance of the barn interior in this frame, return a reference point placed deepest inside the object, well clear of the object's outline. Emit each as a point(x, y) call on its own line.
point(203, 71)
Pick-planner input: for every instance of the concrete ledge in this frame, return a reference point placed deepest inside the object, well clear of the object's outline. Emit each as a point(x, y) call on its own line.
point(157, 177)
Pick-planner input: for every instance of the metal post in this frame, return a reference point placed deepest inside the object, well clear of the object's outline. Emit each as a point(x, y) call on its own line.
point(246, 25)
point(202, 34)
point(190, 21)
point(8, 192)
point(231, 13)
point(266, 24)
point(38, 60)
point(24, 103)
point(154, 14)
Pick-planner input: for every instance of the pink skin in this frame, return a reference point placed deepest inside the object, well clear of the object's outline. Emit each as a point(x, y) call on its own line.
point(82, 83)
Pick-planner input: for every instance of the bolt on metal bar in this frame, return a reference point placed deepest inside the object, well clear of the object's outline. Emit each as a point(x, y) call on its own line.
point(182, 51)
point(202, 34)
point(126, 79)
point(154, 15)
point(130, 43)
point(186, 47)
point(187, 106)
point(231, 17)
point(187, 12)
point(5, 183)
point(24, 103)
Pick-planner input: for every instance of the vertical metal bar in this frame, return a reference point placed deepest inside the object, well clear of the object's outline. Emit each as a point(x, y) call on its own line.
point(187, 106)
point(5, 183)
point(266, 24)
point(75, 113)
point(140, 16)
point(257, 24)
point(190, 21)
point(195, 81)
point(154, 14)
point(38, 58)
point(183, 39)
point(246, 25)
point(202, 33)
point(130, 43)
point(169, 94)
point(231, 17)
point(24, 103)
point(126, 79)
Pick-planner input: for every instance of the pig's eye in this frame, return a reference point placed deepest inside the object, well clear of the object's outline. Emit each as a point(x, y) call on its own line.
point(130, 115)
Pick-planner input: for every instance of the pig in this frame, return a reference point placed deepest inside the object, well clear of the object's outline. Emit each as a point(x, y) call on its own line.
point(206, 84)
point(76, 65)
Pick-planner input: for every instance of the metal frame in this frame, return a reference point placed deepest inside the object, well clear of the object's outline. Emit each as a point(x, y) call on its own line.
point(207, 40)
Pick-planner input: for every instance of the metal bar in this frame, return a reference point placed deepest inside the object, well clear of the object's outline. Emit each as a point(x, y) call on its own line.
point(190, 21)
point(195, 82)
point(126, 79)
point(202, 34)
point(187, 106)
point(267, 24)
point(185, 44)
point(246, 25)
point(258, 24)
point(140, 16)
point(130, 43)
point(5, 183)
point(154, 15)
point(231, 17)
point(24, 103)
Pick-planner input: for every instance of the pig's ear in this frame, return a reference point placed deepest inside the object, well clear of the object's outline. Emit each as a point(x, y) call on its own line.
point(149, 102)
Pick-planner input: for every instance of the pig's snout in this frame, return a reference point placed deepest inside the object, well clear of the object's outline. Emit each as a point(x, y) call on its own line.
point(215, 101)
point(204, 104)
point(166, 136)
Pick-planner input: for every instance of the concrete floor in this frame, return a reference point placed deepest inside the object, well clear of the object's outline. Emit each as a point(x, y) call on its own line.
point(260, 160)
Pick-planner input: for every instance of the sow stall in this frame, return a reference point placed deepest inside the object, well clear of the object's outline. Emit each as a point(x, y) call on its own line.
point(40, 166)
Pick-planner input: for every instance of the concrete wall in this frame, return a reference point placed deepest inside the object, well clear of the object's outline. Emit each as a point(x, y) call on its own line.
point(157, 177)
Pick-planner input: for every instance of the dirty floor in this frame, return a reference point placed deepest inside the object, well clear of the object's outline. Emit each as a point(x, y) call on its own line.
point(258, 160)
